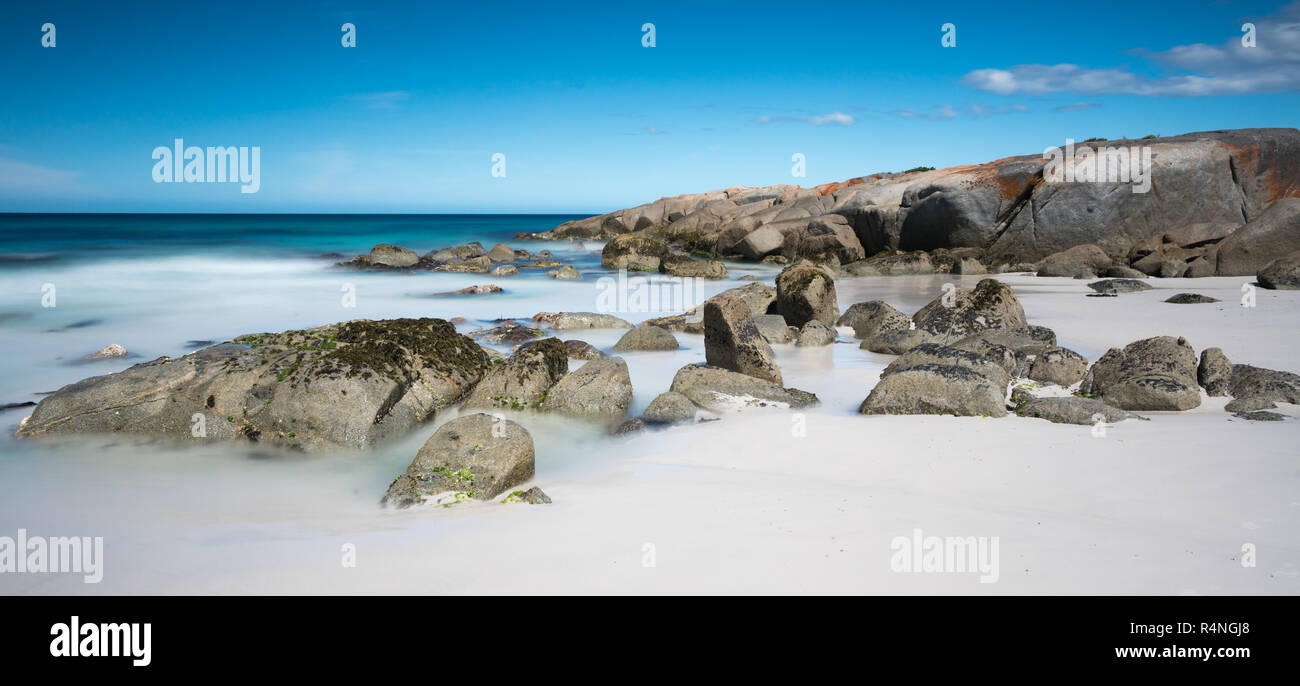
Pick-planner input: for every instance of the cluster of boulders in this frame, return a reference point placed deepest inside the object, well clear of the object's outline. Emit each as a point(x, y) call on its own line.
point(969, 352)
point(1221, 203)
point(469, 258)
point(644, 253)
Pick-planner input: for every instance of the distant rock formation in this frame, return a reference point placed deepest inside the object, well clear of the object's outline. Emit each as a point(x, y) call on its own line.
point(1239, 188)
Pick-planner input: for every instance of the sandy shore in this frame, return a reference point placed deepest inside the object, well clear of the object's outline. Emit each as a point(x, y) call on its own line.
point(746, 504)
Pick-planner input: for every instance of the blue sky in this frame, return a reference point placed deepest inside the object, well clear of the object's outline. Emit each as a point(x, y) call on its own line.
point(588, 118)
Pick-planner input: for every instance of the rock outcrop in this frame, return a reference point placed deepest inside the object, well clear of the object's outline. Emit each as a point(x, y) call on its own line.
point(351, 385)
point(1218, 202)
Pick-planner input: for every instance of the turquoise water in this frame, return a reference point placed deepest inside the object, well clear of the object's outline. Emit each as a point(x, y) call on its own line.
point(34, 238)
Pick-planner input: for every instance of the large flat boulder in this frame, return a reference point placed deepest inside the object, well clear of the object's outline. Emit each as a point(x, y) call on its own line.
point(351, 385)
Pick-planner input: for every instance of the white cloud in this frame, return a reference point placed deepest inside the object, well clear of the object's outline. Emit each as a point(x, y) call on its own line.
point(832, 119)
point(1230, 68)
point(944, 112)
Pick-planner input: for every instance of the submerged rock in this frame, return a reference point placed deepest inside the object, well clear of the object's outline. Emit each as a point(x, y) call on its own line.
point(474, 290)
point(566, 273)
point(646, 338)
point(479, 455)
point(532, 496)
point(107, 352)
point(581, 320)
point(670, 407)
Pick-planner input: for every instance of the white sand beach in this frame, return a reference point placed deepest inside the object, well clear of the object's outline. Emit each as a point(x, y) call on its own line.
point(740, 505)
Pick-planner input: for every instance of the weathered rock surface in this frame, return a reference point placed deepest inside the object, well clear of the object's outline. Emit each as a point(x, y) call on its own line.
point(682, 265)
point(633, 252)
point(815, 333)
point(598, 390)
point(1060, 366)
point(871, 317)
point(567, 273)
point(1206, 186)
point(732, 340)
point(960, 313)
point(473, 265)
point(1190, 299)
point(510, 332)
point(935, 389)
point(1080, 259)
point(772, 328)
point(722, 390)
point(479, 455)
point(805, 292)
point(1272, 232)
point(107, 352)
point(388, 255)
point(1281, 274)
point(352, 385)
point(1251, 403)
point(532, 496)
point(1073, 410)
point(1214, 372)
point(474, 290)
point(581, 350)
point(581, 320)
point(1151, 374)
point(1119, 286)
point(1247, 381)
point(646, 338)
point(670, 407)
point(522, 380)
